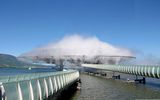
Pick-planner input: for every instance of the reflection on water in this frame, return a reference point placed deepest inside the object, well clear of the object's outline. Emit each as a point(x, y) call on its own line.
point(96, 88)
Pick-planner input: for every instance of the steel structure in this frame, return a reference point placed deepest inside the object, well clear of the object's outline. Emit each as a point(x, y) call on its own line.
point(141, 70)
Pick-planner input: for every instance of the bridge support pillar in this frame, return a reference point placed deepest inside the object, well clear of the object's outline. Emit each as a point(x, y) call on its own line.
point(143, 80)
point(116, 77)
point(103, 74)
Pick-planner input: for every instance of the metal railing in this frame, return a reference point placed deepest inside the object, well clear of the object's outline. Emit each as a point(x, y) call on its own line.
point(36, 86)
point(141, 70)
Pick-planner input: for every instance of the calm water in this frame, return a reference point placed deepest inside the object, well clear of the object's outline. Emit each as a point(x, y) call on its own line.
point(96, 88)
point(15, 71)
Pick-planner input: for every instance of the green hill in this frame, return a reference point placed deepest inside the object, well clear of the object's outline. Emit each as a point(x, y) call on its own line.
point(10, 61)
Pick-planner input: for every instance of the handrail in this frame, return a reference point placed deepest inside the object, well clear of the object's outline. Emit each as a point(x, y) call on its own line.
point(35, 86)
point(23, 77)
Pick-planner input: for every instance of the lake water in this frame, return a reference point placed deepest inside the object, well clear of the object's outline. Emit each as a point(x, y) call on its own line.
point(15, 71)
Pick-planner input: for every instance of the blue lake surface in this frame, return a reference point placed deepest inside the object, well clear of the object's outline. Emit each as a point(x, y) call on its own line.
point(15, 71)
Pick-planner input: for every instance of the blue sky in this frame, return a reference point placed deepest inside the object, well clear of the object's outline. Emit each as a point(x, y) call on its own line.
point(26, 24)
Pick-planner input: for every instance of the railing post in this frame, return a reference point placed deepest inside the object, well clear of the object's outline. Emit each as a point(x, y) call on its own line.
point(31, 91)
point(19, 92)
point(2, 92)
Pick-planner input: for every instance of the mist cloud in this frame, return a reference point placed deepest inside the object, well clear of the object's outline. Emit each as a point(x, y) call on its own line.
point(79, 45)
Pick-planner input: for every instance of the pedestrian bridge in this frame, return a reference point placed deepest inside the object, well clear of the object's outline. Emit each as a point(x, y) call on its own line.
point(140, 70)
point(35, 86)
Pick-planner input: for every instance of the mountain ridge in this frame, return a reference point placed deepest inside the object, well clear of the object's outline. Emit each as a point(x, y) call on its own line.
point(7, 60)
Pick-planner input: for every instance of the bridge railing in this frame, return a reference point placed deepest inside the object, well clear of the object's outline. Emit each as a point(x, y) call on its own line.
point(141, 70)
point(37, 86)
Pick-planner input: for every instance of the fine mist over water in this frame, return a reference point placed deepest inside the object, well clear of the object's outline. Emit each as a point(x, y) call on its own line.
point(76, 45)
